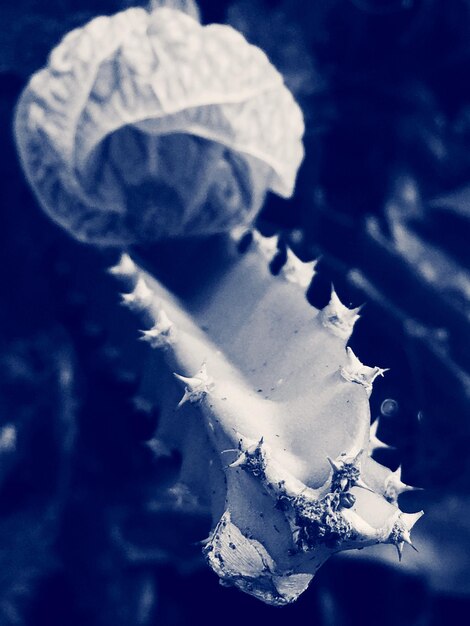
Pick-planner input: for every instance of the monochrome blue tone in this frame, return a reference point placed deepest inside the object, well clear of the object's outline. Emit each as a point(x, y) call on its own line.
point(90, 530)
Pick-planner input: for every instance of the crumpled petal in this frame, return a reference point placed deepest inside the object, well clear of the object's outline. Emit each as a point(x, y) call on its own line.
point(99, 129)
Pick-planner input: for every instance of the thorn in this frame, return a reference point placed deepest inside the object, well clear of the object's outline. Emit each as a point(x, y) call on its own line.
point(339, 318)
point(240, 460)
point(355, 372)
point(410, 519)
point(356, 459)
point(298, 272)
point(400, 533)
point(124, 267)
point(360, 483)
point(187, 380)
point(196, 387)
point(334, 466)
point(374, 441)
point(203, 542)
point(342, 476)
point(140, 297)
point(406, 536)
point(186, 397)
point(161, 334)
point(394, 487)
point(245, 452)
point(399, 546)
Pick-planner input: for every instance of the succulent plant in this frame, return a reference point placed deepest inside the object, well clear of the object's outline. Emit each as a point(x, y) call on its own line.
point(270, 412)
point(148, 126)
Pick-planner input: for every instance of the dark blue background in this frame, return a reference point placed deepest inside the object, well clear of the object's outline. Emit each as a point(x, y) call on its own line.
point(385, 91)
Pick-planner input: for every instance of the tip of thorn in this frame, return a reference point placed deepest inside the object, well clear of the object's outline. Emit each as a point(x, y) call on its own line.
point(399, 547)
point(360, 483)
point(410, 519)
point(125, 266)
point(238, 461)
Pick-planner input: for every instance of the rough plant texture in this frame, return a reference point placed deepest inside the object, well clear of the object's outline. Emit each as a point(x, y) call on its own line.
point(172, 135)
point(271, 413)
point(147, 124)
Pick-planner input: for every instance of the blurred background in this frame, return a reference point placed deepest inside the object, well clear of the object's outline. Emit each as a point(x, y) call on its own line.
point(89, 531)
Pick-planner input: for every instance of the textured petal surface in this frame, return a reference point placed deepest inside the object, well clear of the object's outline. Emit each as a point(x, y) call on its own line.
point(156, 73)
